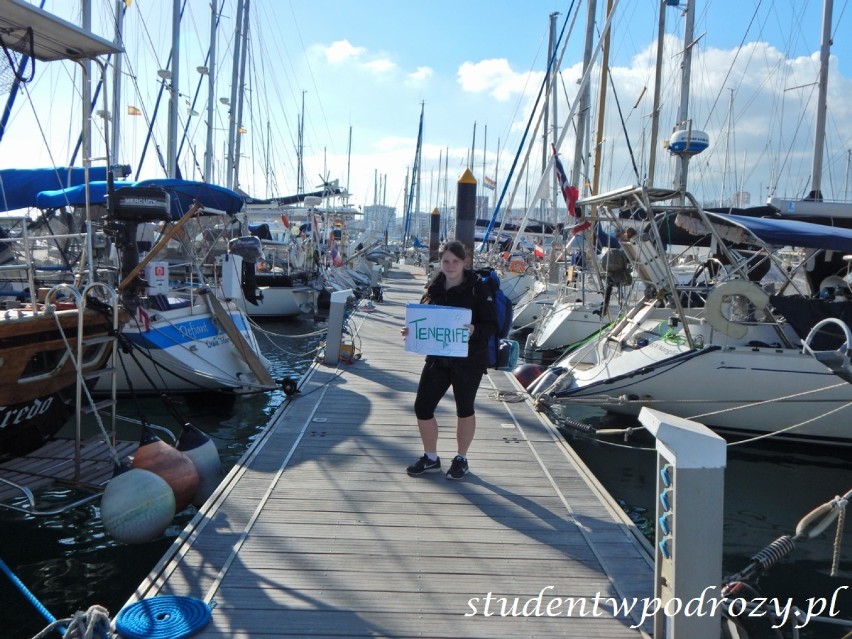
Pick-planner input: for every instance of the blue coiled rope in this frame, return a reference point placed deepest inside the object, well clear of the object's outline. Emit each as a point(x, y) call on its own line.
point(163, 617)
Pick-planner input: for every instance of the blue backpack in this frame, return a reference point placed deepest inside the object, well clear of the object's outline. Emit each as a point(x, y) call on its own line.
point(502, 352)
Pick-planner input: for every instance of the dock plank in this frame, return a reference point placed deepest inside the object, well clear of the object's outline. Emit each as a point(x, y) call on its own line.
point(318, 531)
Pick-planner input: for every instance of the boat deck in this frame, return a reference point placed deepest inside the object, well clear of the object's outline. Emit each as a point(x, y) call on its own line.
point(54, 463)
point(318, 531)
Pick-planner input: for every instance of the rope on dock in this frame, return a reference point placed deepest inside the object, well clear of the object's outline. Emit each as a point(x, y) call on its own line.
point(163, 617)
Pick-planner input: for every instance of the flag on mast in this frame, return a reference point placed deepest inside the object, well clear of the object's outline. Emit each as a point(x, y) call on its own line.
point(571, 194)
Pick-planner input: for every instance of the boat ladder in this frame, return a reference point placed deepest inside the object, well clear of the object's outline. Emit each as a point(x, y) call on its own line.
point(74, 462)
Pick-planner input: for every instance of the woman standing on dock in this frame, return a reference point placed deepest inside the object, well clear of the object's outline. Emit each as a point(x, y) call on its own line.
point(454, 285)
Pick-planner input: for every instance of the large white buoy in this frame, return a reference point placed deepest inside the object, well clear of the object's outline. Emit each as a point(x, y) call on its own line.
point(202, 451)
point(169, 463)
point(137, 506)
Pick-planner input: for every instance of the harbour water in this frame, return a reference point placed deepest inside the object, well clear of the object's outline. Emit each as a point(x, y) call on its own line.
point(69, 562)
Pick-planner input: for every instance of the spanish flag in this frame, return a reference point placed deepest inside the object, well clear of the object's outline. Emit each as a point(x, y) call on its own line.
point(132, 110)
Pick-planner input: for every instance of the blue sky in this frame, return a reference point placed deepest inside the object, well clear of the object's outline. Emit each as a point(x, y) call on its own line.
point(366, 66)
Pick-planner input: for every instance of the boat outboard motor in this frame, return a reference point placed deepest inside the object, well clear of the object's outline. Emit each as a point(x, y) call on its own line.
point(129, 207)
point(250, 248)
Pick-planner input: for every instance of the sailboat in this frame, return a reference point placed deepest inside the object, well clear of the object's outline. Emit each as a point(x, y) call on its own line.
point(751, 352)
point(182, 333)
point(156, 242)
point(185, 333)
point(55, 340)
point(749, 344)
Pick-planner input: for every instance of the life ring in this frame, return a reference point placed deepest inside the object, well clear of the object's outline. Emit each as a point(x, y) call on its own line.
point(285, 221)
point(713, 305)
point(517, 265)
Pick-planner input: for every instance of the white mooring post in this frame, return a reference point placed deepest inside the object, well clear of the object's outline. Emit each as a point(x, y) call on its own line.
point(336, 314)
point(691, 463)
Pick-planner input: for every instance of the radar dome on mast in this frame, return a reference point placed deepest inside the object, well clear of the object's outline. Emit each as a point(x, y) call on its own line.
point(688, 142)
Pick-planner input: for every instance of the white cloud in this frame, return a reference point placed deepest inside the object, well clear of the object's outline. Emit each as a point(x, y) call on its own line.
point(341, 51)
point(380, 66)
point(422, 73)
point(494, 77)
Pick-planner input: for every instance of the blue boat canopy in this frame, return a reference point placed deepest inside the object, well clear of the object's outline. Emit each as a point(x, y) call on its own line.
point(76, 195)
point(19, 188)
point(774, 232)
point(182, 192)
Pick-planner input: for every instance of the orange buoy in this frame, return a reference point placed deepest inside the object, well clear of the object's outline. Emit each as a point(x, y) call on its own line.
point(526, 374)
point(168, 462)
point(285, 221)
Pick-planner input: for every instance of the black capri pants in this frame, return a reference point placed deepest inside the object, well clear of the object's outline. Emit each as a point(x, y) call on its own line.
point(436, 378)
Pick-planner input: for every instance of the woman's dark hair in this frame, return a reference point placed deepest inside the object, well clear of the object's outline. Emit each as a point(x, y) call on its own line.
point(456, 248)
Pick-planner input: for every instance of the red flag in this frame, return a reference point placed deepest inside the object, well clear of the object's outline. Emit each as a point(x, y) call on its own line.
point(571, 194)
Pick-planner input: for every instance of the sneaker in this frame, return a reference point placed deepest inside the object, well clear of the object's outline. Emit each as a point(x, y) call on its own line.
point(458, 468)
point(424, 465)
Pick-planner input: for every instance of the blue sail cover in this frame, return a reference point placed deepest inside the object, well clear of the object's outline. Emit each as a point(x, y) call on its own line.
point(20, 187)
point(76, 195)
point(182, 194)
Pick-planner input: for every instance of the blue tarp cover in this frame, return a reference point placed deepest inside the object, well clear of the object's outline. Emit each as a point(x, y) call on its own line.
point(182, 192)
point(20, 187)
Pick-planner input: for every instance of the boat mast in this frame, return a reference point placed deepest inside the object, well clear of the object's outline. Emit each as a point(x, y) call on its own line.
point(596, 178)
point(658, 80)
point(232, 105)
point(86, 21)
point(553, 104)
point(415, 180)
point(118, 62)
point(300, 144)
point(819, 135)
point(174, 95)
point(211, 95)
point(682, 163)
point(348, 163)
point(584, 97)
point(240, 86)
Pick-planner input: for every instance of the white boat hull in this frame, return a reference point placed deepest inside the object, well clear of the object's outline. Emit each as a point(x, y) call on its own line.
point(281, 301)
point(185, 350)
point(751, 387)
point(570, 323)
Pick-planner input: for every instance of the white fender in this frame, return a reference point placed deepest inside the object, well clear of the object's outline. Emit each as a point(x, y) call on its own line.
point(713, 305)
point(297, 256)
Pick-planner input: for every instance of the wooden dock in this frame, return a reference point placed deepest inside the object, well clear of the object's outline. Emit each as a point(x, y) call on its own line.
point(319, 531)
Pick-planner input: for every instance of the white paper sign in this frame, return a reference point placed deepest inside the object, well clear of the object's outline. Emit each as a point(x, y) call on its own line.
point(437, 330)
